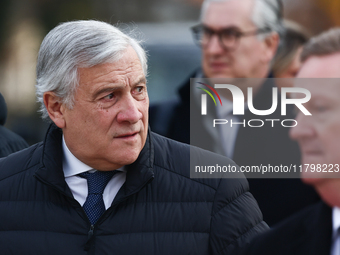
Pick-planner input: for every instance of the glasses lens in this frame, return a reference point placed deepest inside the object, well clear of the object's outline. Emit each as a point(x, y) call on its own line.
point(229, 38)
point(202, 35)
point(205, 35)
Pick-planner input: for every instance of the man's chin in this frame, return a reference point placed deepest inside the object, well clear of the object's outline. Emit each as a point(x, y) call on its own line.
point(129, 161)
point(221, 75)
point(311, 180)
point(129, 156)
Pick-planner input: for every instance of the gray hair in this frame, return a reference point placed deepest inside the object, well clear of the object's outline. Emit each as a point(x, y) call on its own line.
point(295, 37)
point(323, 44)
point(78, 44)
point(267, 14)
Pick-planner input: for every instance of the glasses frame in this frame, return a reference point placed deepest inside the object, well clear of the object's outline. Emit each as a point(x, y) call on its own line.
point(198, 29)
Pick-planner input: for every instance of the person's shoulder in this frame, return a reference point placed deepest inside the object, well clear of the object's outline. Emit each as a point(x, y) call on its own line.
point(285, 233)
point(10, 142)
point(20, 161)
point(9, 136)
point(167, 143)
point(182, 158)
point(235, 216)
point(181, 152)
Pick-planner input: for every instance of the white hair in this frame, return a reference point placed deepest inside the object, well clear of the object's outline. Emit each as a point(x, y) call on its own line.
point(78, 44)
point(266, 14)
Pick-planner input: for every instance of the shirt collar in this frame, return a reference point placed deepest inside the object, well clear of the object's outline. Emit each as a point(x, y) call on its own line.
point(336, 220)
point(73, 166)
point(226, 110)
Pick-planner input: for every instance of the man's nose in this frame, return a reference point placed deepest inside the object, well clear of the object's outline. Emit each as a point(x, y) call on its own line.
point(129, 111)
point(214, 46)
point(303, 129)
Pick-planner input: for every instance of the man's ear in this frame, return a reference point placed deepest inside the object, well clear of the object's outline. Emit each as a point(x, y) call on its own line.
point(55, 109)
point(271, 44)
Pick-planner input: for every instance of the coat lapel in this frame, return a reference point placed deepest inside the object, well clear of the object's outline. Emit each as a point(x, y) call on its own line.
point(139, 173)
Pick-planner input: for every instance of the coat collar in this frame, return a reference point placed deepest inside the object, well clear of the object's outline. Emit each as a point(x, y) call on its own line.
point(50, 171)
point(139, 173)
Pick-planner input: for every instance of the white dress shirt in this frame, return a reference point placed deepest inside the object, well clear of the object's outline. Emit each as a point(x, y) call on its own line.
point(225, 137)
point(228, 132)
point(78, 185)
point(336, 237)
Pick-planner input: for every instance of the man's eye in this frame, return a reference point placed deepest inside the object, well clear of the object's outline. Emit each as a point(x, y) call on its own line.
point(229, 33)
point(109, 96)
point(321, 108)
point(207, 32)
point(139, 89)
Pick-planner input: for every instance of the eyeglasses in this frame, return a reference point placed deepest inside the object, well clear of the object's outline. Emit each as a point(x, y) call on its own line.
point(228, 38)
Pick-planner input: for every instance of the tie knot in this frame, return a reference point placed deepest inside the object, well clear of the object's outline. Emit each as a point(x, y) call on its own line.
point(97, 181)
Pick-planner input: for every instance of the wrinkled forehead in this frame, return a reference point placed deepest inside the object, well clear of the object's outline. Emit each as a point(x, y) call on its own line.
point(228, 13)
point(321, 89)
point(325, 66)
point(127, 67)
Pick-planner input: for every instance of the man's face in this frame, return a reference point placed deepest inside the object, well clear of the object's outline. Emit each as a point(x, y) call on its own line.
point(107, 127)
point(319, 135)
point(250, 59)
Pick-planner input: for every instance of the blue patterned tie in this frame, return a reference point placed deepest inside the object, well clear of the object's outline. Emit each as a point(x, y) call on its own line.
point(94, 206)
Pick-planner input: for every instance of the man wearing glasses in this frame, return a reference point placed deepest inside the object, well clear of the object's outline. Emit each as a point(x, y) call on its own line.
point(239, 40)
point(234, 43)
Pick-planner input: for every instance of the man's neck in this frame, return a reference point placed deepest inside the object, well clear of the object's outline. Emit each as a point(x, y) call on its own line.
point(329, 190)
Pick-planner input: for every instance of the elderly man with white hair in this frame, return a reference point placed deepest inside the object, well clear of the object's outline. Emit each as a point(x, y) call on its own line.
point(102, 182)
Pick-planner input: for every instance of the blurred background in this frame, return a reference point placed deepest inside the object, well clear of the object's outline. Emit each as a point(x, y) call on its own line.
point(163, 27)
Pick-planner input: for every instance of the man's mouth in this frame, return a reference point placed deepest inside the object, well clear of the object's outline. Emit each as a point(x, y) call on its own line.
point(218, 65)
point(127, 135)
point(311, 155)
point(311, 151)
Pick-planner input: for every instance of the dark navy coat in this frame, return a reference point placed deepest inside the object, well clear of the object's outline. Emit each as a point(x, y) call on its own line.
point(159, 209)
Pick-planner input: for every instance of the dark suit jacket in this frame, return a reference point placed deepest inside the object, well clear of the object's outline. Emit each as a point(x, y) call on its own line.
point(307, 232)
point(277, 198)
